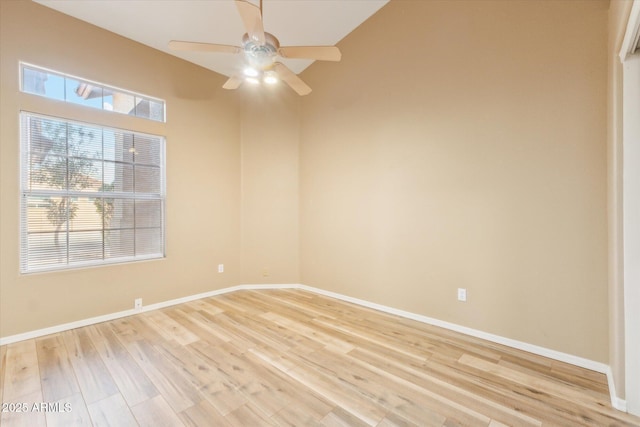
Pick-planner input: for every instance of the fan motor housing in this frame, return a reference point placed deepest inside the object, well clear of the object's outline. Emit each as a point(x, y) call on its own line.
point(261, 51)
point(260, 55)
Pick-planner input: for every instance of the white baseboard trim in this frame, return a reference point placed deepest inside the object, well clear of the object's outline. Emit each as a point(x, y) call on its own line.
point(616, 402)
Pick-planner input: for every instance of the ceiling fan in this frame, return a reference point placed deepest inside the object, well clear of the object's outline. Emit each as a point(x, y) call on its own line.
point(260, 50)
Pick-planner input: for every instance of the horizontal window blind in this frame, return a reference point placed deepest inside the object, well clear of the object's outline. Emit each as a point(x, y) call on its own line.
point(90, 194)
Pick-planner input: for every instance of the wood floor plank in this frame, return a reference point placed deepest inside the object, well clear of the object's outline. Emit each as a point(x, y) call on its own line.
point(519, 398)
point(207, 321)
point(596, 410)
point(136, 328)
point(22, 374)
point(221, 302)
point(134, 385)
point(227, 360)
point(330, 389)
point(232, 330)
point(341, 418)
point(222, 390)
point(290, 390)
point(266, 394)
point(169, 328)
point(93, 377)
point(199, 305)
point(367, 336)
point(294, 416)
point(292, 298)
point(289, 357)
point(156, 412)
point(224, 397)
point(394, 420)
point(190, 321)
point(543, 385)
point(56, 374)
point(271, 335)
point(111, 411)
point(203, 414)
point(414, 403)
point(175, 388)
point(70, 411)
point(247, 415)
point(300, 328)
point(268, 334)
point(195, 369)
point(412, 378)
point(589, 380)
point(26, 416)
point(271, 303)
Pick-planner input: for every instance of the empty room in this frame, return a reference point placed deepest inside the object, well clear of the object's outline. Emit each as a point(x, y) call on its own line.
point(320, 213)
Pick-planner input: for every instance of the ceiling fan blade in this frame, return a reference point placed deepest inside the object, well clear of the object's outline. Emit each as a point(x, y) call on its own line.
point(252, 18)
point(321, 53)
point(291, 79)
point(202, 47)
point(234, 82)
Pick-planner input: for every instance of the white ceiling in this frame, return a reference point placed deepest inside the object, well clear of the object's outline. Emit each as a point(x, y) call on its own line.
point(155, 22)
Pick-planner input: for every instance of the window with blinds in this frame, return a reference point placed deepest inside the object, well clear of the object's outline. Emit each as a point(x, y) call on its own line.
point(90, 194)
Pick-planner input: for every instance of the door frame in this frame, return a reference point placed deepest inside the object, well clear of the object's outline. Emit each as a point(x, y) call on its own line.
point(630, 58)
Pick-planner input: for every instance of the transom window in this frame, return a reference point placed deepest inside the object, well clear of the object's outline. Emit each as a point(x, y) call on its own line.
point(63, 87)
point(90, 194)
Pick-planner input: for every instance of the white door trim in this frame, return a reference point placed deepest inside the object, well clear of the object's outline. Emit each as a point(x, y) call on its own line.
point(632, 33)
point(631, 207)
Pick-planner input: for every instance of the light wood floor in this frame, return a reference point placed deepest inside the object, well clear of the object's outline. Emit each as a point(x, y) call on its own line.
point(289, 357)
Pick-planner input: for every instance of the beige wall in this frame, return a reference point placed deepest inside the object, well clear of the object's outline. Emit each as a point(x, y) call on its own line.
point(463, 144)
point(203, 170)
point(270, 134)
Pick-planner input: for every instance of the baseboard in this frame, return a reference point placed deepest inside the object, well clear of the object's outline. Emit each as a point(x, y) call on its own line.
point(616, 402)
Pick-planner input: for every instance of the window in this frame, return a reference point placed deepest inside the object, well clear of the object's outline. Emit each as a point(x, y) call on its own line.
point(54, 85)
point(90, 194)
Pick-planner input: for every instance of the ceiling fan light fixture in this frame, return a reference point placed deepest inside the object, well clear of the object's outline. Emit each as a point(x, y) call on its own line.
point(270, 78)
point(251, 72)
point(261, 51)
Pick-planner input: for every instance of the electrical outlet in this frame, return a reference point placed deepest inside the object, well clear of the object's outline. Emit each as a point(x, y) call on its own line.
point(137, 303)
point(462, 294)
point(265, 273)
point(220, 268)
